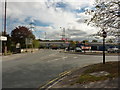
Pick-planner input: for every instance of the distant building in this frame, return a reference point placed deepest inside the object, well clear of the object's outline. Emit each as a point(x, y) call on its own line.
point(89, 46)
point(54, 43)
point(98, 46)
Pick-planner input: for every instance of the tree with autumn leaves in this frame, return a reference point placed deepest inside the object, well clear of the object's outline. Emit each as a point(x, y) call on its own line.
point(20, 33)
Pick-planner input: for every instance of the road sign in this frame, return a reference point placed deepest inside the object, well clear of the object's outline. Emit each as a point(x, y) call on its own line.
point(3, 38)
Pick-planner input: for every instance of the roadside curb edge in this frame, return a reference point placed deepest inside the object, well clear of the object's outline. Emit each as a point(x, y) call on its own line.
point(54, 81)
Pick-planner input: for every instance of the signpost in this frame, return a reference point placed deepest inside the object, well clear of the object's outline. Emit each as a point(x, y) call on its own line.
point(3, 38)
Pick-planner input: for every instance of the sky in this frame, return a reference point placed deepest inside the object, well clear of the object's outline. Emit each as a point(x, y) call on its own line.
point(48, 16)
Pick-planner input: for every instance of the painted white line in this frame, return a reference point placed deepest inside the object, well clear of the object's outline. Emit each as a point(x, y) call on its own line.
point(52, 55)
point(56, 59)
point(75, 57)
point(53, 60)
point(65, 57)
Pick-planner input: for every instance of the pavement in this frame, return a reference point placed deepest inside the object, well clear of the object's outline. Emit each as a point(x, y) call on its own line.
point(33, 70)
point(113, 83)
point(93, 53)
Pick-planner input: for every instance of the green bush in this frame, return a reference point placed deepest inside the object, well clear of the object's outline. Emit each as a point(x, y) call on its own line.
point(36, 44)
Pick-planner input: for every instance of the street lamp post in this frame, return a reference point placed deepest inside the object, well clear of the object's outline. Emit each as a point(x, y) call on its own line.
point(104, 34)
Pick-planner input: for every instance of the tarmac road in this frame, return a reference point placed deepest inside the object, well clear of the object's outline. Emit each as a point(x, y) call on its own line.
point(32, 70)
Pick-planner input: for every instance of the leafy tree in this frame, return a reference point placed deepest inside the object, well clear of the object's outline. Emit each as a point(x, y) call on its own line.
point(106, 15)
point(109, 41)
point(85, 41)
point(36, 43)
point(77, 42)
point(20, 33)
point(72, 44)
point(94, 41)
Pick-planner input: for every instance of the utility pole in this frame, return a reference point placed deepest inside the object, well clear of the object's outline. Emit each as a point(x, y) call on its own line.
point(26, 42)
point(69, 35)
point(31, 27)
point(5, 18)
point(63, 38)
point(45, 35)
point(5, 42)
point(63, 34)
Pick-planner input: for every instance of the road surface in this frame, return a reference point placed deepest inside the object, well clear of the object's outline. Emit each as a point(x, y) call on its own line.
point(31, 70)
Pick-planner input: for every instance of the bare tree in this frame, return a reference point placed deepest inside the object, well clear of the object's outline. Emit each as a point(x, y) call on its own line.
point(106, 15)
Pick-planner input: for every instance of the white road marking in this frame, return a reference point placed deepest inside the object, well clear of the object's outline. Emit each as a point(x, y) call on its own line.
point(65, 57)
point(56, 59)
point(52, 54)
point(53, 60)
point(75, 57)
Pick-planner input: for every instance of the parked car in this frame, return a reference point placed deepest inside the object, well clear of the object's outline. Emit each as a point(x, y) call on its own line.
point(70, 49)
point(78, 49)
point(66, 49)
point(113, 50)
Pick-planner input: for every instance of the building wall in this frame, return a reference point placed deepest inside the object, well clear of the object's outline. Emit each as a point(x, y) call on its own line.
point(94, 46)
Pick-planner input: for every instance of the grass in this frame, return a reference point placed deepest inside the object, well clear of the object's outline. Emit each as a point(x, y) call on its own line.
point(110, 67)
point(86, 78)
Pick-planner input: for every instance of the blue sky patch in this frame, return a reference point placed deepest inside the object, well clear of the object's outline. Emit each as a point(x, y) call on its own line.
point(61, 5)
point(39, 23)
point(36, 22)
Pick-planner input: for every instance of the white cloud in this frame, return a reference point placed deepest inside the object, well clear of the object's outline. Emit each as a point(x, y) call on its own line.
point(55, 16)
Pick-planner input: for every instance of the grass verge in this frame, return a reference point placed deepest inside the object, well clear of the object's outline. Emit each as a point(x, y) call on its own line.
point(110, 67)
